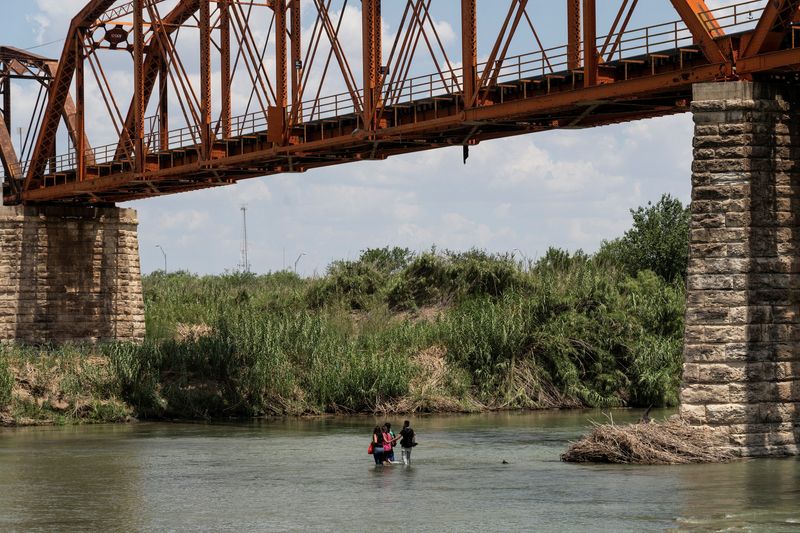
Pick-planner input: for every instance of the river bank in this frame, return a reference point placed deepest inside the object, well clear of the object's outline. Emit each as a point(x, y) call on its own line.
point(390, 332)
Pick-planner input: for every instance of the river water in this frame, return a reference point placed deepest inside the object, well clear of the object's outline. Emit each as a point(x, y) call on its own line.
point(315, 475)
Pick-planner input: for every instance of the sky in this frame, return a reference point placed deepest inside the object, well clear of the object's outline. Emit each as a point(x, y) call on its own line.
point(570, 189)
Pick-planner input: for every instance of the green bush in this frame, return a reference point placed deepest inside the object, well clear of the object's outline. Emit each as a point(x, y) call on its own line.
point(477, 273)
point(597, 335)
point(355, 284)
point(422, 282)
point(655, 370)
point(359, 284)
point(387, 260)
point(432, 278)
point(657, 241)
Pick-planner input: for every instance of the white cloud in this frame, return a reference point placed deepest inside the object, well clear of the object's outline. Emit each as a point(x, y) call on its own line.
point(532, 166)
point(445, 31)
point(250, 191)
point(503, 210)
point(406, 211)
point(190, 219)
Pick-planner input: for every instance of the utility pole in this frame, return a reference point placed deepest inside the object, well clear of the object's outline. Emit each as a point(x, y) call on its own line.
point(165, 256)
point(298, 260)
point(244, 265)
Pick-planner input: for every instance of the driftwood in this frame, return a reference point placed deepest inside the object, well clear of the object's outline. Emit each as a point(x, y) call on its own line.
point(653, 443)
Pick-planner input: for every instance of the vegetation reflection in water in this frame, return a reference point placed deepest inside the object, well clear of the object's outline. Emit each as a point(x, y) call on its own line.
point(315, 475)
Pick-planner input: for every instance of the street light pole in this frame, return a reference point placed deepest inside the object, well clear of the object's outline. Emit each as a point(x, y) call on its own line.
point(165, 256)
point(297, 260)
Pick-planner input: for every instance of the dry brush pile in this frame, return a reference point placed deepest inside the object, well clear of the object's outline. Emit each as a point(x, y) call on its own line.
point(649, 443)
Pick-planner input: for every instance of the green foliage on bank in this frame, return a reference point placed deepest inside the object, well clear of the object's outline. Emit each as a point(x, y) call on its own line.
point(255, 363)
point(400, 331)
point(6, 380)
point(58, 385)
point(658, 240)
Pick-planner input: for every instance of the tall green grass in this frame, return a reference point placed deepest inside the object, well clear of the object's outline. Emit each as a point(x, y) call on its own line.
point(6, 380)
point(598, 335)
point(255, 363)
point(183, 298)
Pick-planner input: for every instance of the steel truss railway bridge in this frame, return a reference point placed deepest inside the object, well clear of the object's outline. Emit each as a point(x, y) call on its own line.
point(256, 48)
point(223, 90)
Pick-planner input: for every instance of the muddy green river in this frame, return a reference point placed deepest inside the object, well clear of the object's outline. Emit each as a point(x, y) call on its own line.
point(315, 475)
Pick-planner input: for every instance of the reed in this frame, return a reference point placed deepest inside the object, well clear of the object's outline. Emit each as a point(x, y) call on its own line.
point(254, 363)
point(566, 330)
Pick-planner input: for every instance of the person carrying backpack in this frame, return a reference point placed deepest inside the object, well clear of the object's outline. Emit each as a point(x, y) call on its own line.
point(408, 439)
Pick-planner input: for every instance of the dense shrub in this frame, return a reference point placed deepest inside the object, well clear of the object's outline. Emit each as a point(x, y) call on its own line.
point(433, 277)
point(657, 241)
point(598, 336)
point(359, 284)
point(387, 260)
point(476, 273)
point(353, 283)
point(422, 282)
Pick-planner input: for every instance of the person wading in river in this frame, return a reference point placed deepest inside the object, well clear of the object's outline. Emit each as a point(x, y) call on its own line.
point(377, 445)
point(392, 440)
point(387, 445)
point(407, 441)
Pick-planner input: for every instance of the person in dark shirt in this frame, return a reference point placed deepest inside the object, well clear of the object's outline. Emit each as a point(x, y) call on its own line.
point(407, 441)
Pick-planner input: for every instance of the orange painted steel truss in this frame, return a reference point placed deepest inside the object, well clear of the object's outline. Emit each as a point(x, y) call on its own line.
point(289, 125)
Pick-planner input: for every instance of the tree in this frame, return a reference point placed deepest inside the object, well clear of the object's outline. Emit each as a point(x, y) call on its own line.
point(657, 241)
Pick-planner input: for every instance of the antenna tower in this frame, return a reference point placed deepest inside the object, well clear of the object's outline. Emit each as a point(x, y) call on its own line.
point(244, 264)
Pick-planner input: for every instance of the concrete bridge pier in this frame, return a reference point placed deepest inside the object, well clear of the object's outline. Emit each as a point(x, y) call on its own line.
point(69, 274)
point(742, 339)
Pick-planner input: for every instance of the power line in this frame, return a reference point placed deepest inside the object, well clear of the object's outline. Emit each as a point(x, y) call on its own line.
point(28, 49)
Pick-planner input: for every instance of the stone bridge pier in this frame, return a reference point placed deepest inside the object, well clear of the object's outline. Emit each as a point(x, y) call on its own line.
point(742, 339)
point(69, 274)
